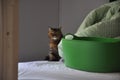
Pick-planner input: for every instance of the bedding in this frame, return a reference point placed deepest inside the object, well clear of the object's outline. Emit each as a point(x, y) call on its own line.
point(45, 70)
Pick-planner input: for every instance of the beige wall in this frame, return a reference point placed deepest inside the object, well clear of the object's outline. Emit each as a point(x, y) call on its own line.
point(34, 18)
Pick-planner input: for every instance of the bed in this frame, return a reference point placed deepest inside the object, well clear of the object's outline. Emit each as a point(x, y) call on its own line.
point(50, 70)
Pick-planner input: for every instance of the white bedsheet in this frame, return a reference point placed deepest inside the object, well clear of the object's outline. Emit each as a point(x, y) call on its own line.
point(44, 70)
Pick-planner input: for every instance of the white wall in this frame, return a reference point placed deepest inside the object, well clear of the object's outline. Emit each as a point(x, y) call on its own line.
point(72, 12)
point(35, 16)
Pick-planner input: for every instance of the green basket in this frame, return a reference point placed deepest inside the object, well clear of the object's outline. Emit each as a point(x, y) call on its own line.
point(92, 54)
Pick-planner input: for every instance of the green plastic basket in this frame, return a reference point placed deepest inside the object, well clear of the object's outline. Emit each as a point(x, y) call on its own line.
point(92, 54)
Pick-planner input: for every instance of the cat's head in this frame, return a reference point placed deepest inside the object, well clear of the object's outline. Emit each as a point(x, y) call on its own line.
point(54, 33)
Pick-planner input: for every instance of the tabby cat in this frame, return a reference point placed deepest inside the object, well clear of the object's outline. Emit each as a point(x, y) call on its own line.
point(55, 36)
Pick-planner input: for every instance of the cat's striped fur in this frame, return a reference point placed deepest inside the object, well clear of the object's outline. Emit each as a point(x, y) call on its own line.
point(55, 36)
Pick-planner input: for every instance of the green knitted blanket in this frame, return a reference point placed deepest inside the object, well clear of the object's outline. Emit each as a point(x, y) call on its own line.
point(102, 22)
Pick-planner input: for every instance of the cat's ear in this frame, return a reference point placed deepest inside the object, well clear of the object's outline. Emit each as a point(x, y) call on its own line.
point(49, 28)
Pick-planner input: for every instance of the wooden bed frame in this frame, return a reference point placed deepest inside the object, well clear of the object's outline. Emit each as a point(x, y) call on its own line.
point(8, 39)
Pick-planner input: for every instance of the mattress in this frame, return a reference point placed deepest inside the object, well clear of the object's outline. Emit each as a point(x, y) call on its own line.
point(45, 70)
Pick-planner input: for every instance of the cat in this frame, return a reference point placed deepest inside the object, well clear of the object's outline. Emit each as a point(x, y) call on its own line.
point(55, 35)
